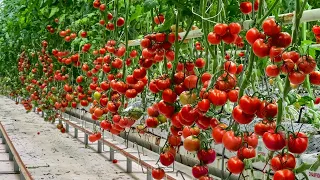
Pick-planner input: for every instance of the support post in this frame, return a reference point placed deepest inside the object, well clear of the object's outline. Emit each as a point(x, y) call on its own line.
point(149, 177)
point(3, 140)
point(22, 177)
point(86, 139)
point(99, 146)
point(111, 154)
point(10, 156)
point(129, 165)
point(75, 133)
point(67, 127)
point(15, 166)
point(7, 149)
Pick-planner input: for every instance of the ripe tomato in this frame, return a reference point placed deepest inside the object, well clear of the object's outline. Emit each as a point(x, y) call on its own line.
point(214, 38)
point(314, 78)
point(275, 53)
point(274, 141)
point(190, 131)
point(284, 174)
point(158, 173)
point(272, 70)
point(297, 77)
point(260, 48)
point(166, 158)
point(169, 96)
point(217, 97)
point(229, 38)
point(264, 126)
point(317, 100)
point(246, 152)
point(252, 35)
point(191, 144)
point(204, 105)
point(120, 21)
point(234, 28)
point(246, 7)
point(200, 63)
point(283, 39)
point(207, 156)
point(190, 82)
point(306, 64)
point(239, 69)
point(235, 165)
point(297, 143)
point(283, 161)
point(241, 117)
point(287, 66)
point(152, 122)
point(249, 105)
point(165, 109)
point(233, 95)
point(199, 171)
point(174, 140)
point(188, 113)
point(159, 19)
point(220, 29)
point(251, 139)
point(270, 27)
point(231, 141)
point(316, 29)
point(230, 66)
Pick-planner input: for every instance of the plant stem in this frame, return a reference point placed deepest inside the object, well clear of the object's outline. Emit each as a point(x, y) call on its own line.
point(245, 81)
point(176, 45)
point(268, 12)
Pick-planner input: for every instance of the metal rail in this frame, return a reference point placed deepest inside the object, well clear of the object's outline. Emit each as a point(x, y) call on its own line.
point(13, 155)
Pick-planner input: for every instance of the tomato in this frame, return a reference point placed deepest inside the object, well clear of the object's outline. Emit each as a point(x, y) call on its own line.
point(246, 7)
point(260, 48)
point(214, 38)
point(217, 97)
point(207, 156)
point(190, 131)
point(229, 38)
point(190, 82)
point(264, 126)
point(120, 21)
point(159, 19)
point(314, 78)
point(275, 53)
point(175, 120)
point(158, 173)
point(191, 144)
point(169, 96)
point(174, 140)
point(272, 70)
point(287, 66)
point(306, 64)
point(230, 66)
point(274, 141)
point(246, 153)
point(296, 77)
point(294, 56)
point(284, 174)
point(283, 39)
point(166, 158)
point(163, 84)
point(165, 109)
point(297, 143)
point(188, 113)
point(252, 35)
point(131, 93)
point(317, 100)
point(152, 111)
point(205, 77)
point(239, 69)
point(283, 161)
point(200, 63)
point(220, 29)
point(249, 105)
point(251, 139)
point(199, 171)
point(241, 117)
point(152, 122)
point(235, 165)
point(270, 27)
point(234, 28)
point(233, 95)
point(231, 141)
point(105, 125)
point(316, 29)
point(204, 105)
point(226, 82)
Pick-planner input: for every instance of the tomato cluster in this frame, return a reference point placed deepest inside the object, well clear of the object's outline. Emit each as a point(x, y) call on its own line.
point(229, 34)
point(316, 32)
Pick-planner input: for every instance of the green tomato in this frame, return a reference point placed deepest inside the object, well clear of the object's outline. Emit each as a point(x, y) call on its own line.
point(162, 119)
point(97, 95)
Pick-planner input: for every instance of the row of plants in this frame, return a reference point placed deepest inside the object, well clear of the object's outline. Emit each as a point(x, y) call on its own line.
point(59, 55)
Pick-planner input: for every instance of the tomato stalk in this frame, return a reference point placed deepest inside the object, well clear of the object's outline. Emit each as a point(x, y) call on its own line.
point(176, 45)
point(299, 11)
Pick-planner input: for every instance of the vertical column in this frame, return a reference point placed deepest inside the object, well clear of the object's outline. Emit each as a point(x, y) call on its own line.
point(129, 165)
point(111, 154)
point(67, 127)
point(15, 166)
point(99, 146)
point(75, 133)
point(149, 177)
point(10, 156)
point(86, 139)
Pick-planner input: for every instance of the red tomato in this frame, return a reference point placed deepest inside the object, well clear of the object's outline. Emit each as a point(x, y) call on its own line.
point(283, 39)
point(199, 171)
point(241, 117)
point(314, 78)
point(283, 161)
point(158, 173)
point(316, 29)
point(246, 153)
point(246, 7)
point(249, 105)
point(220, 29)
point(287, 66)
point(235, 165)
point(239, 69)
point(159, 19)
point(284, 174)
point(174, 140)
point(188, 113)
point(297, 143)
point(169, 96)
point(260, 48)
point(204, 105)
point(206, 156)
point(191, 144)
point(231, 141)
point(229, 38)
point(234, 28)
point(230, 66)
point(297, 77)
point(217, 97)
point(214, 38)
point(252, 35)
point(217, 133)
point(190, 131)
point(306, 64)
point(270, 27)
point(317, 100)
point(275, 53)
point(190, 82)
point(274, 141)
point(251, 139)
point(166, 158)
point(200, 63)
point(272, 70)
point(233, 95)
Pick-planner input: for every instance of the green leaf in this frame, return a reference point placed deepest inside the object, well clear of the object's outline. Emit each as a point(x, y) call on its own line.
point(137, 13)
point(304, 100)
point(149, 4)
point(54, 10)
point(292, 98)
point(302, 168)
